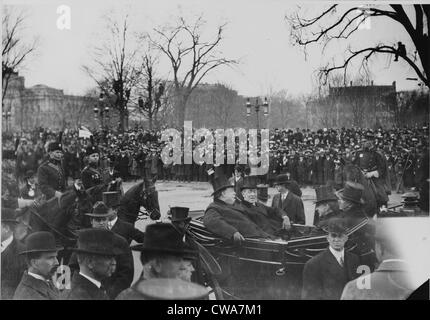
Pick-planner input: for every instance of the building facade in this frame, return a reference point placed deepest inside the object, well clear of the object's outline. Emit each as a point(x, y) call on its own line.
point(42, 106)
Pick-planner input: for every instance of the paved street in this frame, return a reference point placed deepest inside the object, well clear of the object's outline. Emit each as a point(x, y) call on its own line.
point(197, 196)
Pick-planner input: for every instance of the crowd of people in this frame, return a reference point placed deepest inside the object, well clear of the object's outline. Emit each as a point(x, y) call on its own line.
point(102, 262)
point(309, 157)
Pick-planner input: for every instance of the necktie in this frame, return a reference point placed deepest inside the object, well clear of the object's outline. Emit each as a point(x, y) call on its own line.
point(341, 261)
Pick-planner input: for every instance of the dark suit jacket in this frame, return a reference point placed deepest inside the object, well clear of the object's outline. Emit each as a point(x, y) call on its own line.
point(128, 231)
point(31, 288)
point(324, 278)
point(292, 205)
point(267, 218)
point(225, 220)
point(391, 281)
point(12, 269)
point(83, 289)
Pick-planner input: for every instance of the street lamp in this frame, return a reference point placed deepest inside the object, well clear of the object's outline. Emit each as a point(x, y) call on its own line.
point(7, 115)
point(257, 106)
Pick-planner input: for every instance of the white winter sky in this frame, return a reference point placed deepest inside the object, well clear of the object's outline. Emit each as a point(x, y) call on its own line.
point(257, 34)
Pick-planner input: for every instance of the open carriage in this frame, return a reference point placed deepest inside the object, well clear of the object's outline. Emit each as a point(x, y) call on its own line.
point(267, 269)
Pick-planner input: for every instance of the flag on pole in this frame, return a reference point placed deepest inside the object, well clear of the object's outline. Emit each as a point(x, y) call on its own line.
point(84, 132)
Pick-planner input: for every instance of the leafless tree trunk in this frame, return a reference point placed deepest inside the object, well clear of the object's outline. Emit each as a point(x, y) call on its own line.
point(191, 57)
point(321, 30)
point(116, 68)
point(14, 50)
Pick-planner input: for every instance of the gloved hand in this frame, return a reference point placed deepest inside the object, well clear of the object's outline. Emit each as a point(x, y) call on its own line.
point(237, 237)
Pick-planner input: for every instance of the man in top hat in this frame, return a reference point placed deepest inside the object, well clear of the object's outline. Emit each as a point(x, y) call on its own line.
point(325, 275)
point(96, 253)
point(393, 279)
point(101, 217)
point(271, 220)
point(12, 265)
point(90, 175)
point(326, 206)
point(41, 256)
point(164, 254)
point(226, 220)
point(288, 201)
point(50, 174)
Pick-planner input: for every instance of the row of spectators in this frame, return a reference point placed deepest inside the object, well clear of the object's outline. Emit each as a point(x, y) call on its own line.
point(309, 157)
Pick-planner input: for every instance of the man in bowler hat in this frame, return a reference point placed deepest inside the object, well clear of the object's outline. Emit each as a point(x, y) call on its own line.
point(41, 256)
point(121, 279)
point(96, 252)
point(325, 275)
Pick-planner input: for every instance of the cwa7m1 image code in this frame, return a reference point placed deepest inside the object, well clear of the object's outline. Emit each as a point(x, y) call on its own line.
point(236, 309)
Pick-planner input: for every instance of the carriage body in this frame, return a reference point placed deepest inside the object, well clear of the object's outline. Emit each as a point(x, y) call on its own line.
point(270, 269)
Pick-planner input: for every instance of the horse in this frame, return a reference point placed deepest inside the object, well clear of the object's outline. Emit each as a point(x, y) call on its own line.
point(63, 217)
point(144, 195)
point(355, 174)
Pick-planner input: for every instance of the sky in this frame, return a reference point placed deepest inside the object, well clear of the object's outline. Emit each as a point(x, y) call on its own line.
point(256, 34)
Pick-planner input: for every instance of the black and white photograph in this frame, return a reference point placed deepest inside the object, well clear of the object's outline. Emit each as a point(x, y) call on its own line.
point(216, 151)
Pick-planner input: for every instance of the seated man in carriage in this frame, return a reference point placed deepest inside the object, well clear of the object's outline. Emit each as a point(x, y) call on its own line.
point(271, 220)
point(226, 220)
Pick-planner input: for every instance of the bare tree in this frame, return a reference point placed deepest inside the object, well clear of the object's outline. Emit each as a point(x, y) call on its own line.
point(116, 68)
point(150, 99)
point(322, 29)
point(14, 49)
point(191, 58)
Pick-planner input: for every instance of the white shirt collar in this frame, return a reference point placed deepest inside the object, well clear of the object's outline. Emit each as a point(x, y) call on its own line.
point(37, 276)
point(112, 222)
point(6, 243)
point(98, 284)
point(338, 254)
point(284, 195)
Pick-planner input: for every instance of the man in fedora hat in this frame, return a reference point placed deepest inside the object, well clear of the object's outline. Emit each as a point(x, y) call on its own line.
point(122, 277)
point(225, 219)
point(50, 174)
point(96, 252)
point(90, 175)
point(288, 201)
point(325, 275)
point(164, 254)
point(351, 202)
point(271, 220)
point(326, 205)
point(41, 256)
point(169, 289)
point(12, 265)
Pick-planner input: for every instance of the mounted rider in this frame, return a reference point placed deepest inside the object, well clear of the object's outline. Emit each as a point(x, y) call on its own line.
point(373, 166)
point(50, 174)
point(91, 175)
